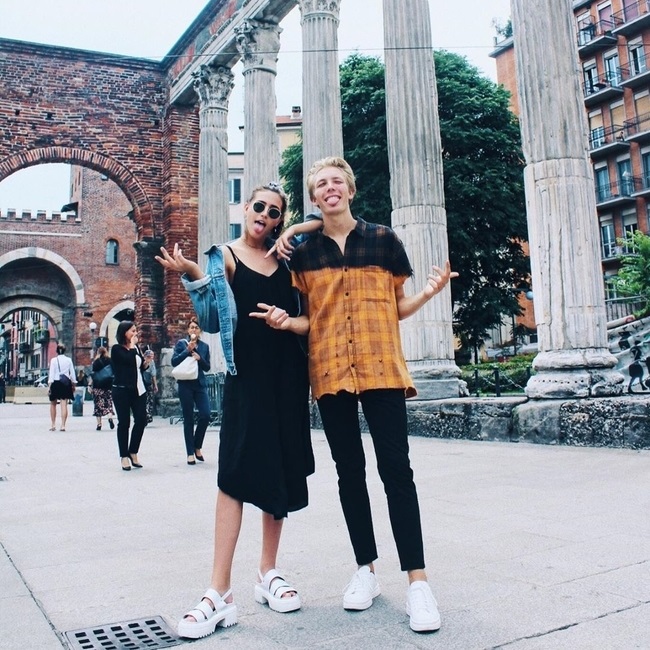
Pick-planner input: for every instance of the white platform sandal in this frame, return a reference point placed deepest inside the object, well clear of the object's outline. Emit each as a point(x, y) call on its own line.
point(207, 618)
point(271, 588)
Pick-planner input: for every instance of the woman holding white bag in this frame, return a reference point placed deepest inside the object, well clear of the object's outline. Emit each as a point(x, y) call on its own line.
point(193, 392)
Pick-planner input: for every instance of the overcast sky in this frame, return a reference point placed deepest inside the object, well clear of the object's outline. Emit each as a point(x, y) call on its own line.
point(149, 28)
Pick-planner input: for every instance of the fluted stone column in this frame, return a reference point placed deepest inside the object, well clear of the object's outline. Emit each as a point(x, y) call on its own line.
point(258, 43)
point(417, 190)
point(322, 131)
point(213, 86)
point(573, 359)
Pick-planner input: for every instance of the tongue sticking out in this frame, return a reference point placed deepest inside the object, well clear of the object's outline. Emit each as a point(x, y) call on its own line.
point(258, 227)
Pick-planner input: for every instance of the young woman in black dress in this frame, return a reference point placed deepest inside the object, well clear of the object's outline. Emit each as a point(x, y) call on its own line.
point(265, 452)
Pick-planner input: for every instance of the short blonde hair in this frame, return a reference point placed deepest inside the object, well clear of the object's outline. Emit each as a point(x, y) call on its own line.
point(331, 161)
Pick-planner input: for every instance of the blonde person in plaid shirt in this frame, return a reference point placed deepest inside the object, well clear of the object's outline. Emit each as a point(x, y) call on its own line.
point(351, 275)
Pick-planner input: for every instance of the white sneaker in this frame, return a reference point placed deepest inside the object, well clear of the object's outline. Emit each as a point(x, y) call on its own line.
point(362, 589)
point(422, 608)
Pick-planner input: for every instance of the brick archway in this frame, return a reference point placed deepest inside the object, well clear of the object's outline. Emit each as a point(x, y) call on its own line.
point(143, 213)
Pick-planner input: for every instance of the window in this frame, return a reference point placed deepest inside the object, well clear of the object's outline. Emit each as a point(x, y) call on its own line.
point(645, 162)
point(625, 178)
point(234, 190)
point(235, 230)
point(630, 226)
point(617, 116)
point(601, 177)
point(596, 130)
point(631, 8)
point(637, 58)
point(610, 289)
point(112, 252)
point(607, 238)
point(612, 72)
point(590, 75)
point(586, 29)
point(605, 16)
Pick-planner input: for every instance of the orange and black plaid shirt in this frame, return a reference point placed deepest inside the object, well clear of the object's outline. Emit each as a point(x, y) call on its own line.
point(354, 338)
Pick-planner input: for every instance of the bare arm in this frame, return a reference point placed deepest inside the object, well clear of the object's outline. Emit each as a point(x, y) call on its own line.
point(283, 246)
point(436, 282)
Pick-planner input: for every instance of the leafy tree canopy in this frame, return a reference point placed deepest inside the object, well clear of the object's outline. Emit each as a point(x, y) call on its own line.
point(633, 279)
point(483, 175)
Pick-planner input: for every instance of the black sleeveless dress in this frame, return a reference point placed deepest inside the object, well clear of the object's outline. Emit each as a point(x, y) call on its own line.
point(265, 452)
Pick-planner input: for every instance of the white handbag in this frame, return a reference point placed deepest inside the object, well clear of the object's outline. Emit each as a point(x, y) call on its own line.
point(186, 370)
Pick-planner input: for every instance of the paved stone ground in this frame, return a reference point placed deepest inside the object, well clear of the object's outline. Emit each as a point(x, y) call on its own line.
point(529, 547)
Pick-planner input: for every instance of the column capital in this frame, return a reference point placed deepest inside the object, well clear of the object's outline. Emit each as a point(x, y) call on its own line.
point(258, 42)
point(213, 85)
point(314, 8)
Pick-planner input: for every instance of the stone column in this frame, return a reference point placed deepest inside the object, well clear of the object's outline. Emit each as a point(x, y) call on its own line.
point(322, 131)
point(213, 86)
point(574, 359)
point(258, 43)
point(417, 190)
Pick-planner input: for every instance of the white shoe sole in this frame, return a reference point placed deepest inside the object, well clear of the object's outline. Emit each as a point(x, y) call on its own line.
point(282, 605)
point(423, 627)
point(198, 629)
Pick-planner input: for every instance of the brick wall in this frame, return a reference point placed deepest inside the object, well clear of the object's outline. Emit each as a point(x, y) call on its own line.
point(109, 115)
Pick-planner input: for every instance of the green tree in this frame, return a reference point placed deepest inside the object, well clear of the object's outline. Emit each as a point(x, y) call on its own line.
point(503, 30)
point(363, 108)
point(482, 173)
point(484, 197)
point(633, 279)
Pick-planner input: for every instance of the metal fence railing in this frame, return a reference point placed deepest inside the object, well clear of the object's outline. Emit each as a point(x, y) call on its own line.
point(215, 394)
point(496, 380)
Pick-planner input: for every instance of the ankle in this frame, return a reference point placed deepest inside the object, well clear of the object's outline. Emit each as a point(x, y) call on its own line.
point(417, 575)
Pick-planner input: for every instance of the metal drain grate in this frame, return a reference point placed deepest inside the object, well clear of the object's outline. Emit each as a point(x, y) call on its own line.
point(151, 633)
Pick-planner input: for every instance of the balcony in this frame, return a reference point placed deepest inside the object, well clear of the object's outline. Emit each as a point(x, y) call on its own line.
point(632, 19)
point(635, 74)
point(642, 186)
point(610, 195)
point(41, 336)
point(603, 142)
point(595, 35)
point(638, 129)
point(24, 348)
point(600, 89)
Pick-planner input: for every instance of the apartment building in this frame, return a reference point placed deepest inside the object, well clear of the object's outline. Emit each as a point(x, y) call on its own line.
point(613, 41)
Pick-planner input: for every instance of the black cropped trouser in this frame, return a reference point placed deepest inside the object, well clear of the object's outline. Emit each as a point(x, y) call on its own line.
point(385, 412)
point(127, 401)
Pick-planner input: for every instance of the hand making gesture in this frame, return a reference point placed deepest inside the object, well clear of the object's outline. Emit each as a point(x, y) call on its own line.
point(176, 262)
point(437, 280)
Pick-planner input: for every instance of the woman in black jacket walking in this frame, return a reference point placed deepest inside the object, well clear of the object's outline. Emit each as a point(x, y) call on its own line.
point(129, 392)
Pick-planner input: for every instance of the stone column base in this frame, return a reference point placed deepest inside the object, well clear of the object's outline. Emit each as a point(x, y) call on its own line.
point(567, 384)
point(436, 382)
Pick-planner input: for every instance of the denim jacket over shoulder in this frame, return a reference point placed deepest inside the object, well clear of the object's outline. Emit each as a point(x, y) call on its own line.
point(214, 304)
